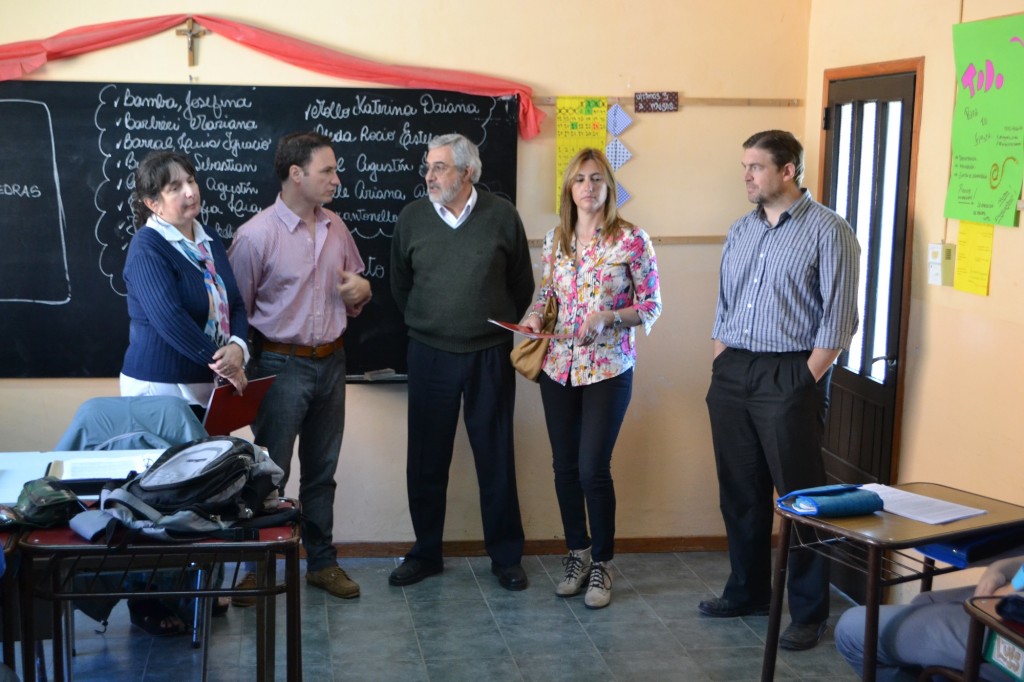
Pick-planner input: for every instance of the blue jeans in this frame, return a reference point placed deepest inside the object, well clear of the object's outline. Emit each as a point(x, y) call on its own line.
point(583, 424)
point(306, 401)
point(930, 630)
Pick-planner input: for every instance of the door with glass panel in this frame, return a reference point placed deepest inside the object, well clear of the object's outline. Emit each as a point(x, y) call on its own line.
point(867, 177)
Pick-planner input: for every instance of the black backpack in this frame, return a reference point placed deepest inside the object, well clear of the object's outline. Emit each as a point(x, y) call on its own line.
point(201, 488)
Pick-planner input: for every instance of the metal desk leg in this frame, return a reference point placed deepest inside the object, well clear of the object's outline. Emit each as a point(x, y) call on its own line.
point(271, 622)
point(10, 593)
point(265, 579)
point(293, 622)
point(771, 642)
point(872, 600)
point(927, 573)
point(57, 618)
point(972, 662)
point(28, 630)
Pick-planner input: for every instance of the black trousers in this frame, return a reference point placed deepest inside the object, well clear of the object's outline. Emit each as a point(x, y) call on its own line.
point(767, 421)
point(583, 424)
point(483, 385)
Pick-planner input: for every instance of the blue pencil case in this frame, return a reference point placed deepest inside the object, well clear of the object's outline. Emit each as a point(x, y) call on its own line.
point(832, 501)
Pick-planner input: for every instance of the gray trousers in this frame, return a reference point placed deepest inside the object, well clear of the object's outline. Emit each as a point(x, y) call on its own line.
point(930, 630)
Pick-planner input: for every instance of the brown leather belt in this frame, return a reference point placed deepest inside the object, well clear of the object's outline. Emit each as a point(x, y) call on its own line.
point(317, 352)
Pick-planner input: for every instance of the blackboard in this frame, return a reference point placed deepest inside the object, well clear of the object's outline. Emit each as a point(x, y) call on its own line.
point(68, 151)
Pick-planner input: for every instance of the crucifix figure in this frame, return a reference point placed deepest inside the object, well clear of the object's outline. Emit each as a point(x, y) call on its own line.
point(190, 35)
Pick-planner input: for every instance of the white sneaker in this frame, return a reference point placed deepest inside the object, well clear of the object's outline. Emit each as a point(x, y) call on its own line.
point(599, 591)
point(577, 572)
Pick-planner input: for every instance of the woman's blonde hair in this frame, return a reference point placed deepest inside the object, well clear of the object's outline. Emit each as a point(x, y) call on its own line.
point(569, 214)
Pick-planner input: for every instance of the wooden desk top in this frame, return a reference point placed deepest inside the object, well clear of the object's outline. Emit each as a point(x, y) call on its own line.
point(984, 609)
point(898, 532)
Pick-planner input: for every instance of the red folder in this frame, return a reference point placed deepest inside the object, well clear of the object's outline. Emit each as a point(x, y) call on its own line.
point(228, 411)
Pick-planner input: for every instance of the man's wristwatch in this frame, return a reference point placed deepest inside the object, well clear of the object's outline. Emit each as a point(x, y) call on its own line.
point(616, 319)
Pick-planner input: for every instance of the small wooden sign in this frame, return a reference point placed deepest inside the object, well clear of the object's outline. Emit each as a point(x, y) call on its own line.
point(655, 102)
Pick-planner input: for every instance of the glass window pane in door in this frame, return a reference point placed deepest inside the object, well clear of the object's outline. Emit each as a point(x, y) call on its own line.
point(845, 125)
point(883, 243)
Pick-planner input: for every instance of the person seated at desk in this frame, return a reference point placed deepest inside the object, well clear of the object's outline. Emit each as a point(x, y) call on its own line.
point(929, 631)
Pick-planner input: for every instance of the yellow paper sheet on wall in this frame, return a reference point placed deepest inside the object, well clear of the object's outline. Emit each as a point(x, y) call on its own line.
point(973, 258)
point(580, 122)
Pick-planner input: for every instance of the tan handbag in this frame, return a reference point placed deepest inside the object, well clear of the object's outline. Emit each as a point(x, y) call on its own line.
point(528, 356)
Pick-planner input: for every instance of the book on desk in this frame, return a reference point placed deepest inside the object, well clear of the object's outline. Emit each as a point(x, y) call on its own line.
point(87, 476)
point(974, 548)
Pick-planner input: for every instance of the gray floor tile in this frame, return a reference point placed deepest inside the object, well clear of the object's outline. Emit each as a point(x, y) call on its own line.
point(393, 671)
point(665, 667)
point(736, 664)
point(565, 667)
point(545, 638)
point(461, 625)
point(375, 645)
point(502, 669)
point(445, 642)
point(366, 614)
point(452, 613)
point(547, 612)
point(633, 637)
point(709, 633)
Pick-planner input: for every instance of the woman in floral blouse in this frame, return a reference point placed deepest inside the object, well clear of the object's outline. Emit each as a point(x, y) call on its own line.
point(604, 274)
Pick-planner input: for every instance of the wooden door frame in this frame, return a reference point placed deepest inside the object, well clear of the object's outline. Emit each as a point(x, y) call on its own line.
point(913, 65)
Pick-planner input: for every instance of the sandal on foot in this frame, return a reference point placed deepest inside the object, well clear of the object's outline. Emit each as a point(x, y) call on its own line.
point(152, 617)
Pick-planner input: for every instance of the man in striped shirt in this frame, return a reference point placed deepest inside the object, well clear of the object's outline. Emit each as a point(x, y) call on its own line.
point(787, 307)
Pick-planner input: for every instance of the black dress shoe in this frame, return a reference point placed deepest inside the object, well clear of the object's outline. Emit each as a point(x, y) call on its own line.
point(413, 570)
point(510, 577)
point(723, 608)
point(800, 636)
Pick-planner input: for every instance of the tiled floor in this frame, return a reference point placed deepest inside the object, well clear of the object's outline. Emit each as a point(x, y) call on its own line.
point(461, 625)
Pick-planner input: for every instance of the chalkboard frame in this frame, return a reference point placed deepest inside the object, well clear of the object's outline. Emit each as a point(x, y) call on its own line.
point(82, 170)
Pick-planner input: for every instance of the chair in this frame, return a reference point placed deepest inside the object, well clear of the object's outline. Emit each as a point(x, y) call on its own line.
point(132, 423)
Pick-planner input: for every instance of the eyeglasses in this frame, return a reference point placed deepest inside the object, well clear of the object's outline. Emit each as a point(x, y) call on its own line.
point(438, 168)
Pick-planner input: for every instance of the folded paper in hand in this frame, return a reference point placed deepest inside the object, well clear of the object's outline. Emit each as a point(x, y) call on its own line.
point(831, 501)
point(527, 332)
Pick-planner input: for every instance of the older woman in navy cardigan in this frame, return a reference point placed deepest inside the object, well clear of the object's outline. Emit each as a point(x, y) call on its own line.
point(188, 321)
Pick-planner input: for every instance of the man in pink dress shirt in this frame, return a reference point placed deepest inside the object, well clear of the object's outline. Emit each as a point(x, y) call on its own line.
point(298, 268)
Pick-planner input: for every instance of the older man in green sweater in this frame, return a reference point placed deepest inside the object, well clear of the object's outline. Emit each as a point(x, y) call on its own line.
point(459, 257)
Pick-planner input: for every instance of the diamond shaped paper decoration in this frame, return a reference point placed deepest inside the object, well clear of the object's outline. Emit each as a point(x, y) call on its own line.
point(617, 154)
point(618, 120)
point(623, 195)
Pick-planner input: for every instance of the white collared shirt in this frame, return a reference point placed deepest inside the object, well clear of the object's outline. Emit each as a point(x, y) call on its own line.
point(175, 237)
point(450, 218)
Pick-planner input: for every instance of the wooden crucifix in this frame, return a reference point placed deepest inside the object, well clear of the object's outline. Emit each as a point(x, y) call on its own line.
point(191, 34)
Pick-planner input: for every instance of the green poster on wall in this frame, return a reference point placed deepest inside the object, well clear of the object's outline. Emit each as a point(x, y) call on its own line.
point(988, 122)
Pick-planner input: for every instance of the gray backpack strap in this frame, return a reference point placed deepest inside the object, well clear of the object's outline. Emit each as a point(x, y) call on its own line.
point(89, 524)
point(134, 504)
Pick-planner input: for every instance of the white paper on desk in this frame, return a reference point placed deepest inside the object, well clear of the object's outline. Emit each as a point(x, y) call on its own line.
point(921, 507)
point(99, 467)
